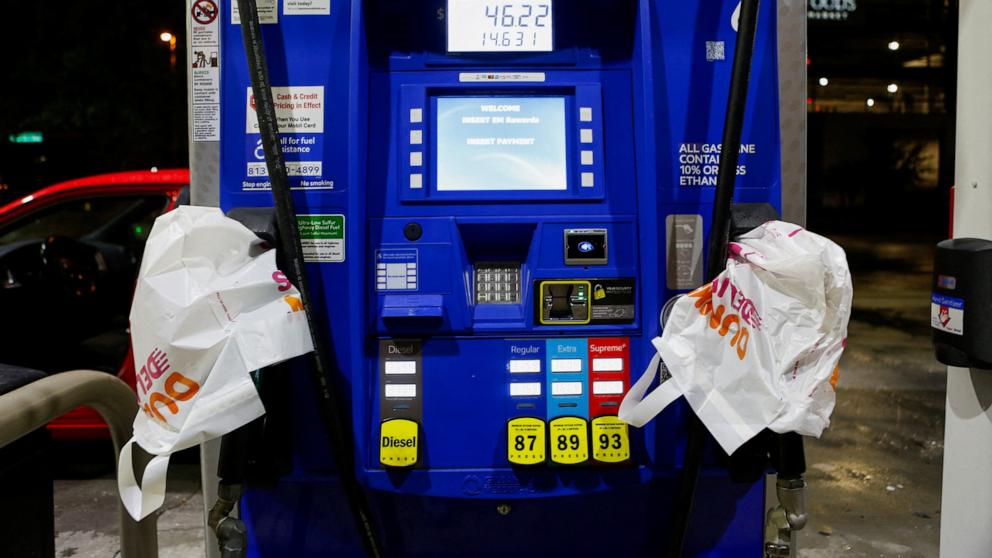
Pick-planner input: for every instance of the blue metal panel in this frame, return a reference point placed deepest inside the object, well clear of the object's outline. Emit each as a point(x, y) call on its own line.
point(655, 74)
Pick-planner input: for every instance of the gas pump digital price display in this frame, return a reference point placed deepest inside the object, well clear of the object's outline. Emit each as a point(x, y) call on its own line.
point(492, 26)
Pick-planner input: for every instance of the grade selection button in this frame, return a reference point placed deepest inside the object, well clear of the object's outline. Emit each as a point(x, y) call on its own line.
point(569, 440)
point(398, 443)
point(525, 443)
point(610, 442)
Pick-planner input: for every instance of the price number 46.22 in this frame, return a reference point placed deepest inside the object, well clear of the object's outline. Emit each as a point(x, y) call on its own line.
point(512, 23)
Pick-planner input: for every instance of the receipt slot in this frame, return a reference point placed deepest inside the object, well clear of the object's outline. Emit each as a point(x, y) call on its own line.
point(495, 201)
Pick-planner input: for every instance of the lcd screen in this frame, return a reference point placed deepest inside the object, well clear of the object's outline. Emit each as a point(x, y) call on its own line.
point(501, 143)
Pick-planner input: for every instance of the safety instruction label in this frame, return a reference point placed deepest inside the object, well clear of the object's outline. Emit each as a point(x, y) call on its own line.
point(204, 73)
point(699, 163)
point(947, 314)
point(268, 12)
point(525, 441)
point(306, 7)
point(569, 444)
point(610, 443)
point(322, 238)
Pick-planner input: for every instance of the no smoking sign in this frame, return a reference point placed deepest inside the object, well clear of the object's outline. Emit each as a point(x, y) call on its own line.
point(204, 11)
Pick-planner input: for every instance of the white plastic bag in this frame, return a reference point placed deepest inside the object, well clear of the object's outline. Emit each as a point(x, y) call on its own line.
point(210, 307)
point(759, 346)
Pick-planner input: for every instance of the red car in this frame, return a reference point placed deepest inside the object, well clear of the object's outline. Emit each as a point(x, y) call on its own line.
point(69, 257)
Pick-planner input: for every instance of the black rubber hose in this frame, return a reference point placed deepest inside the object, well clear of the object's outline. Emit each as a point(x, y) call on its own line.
point(330, 405)
point(716, 253)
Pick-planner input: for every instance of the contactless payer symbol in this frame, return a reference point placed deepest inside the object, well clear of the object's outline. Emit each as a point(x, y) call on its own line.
point(586, 247)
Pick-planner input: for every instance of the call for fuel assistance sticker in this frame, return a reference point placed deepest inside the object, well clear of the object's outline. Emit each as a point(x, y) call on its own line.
point(322, 238)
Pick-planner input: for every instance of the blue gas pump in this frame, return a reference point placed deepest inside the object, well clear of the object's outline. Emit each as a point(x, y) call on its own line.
point(494, 201)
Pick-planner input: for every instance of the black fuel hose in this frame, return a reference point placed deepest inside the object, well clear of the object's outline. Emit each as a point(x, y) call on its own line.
point(330, 404)
point(716, 253)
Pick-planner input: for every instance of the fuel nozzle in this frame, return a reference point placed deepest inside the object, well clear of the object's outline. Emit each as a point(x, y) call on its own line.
point(789, 516)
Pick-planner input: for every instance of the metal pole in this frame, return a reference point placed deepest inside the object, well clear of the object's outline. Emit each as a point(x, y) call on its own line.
point(28, 408)
point(966, 506)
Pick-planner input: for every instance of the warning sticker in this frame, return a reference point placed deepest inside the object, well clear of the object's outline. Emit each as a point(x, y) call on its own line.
point(268, 12)
point(299, 109)
point(204, 73)
point(947, 314)
point(306, 7)
point(322, 237)
point(699, 163)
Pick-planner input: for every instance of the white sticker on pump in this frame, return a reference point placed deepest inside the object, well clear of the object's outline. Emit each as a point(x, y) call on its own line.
point(401, 367)
point(401, 390)
point(612, 387)
point(607, 365)
point(518, 366)
point(525, 389)
point(566, 388)
point(299, 110)
point(566, 365)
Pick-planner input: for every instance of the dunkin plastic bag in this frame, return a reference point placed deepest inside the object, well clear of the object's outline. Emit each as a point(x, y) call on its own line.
point(210, 307)
point(758, 347)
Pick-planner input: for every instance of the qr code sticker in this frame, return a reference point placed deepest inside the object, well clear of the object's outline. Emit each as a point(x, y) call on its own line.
point(715, 51)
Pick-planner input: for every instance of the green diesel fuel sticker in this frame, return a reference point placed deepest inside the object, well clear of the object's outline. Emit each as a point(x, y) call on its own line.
point(322, 237)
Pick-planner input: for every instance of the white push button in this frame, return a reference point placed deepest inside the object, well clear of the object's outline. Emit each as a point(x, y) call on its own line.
point(401, 390)
point(587, 157)
point(607, 365)
point(585, 135)
point(518, 366)
point(566, 388)
point(607, 388)
point(588, 180)
point(417, 137)
point(416, 180)
point(566, 365)
point(401, 367)
point(416, 158)
point(585, 114)
point(416, 115)
point(525, 389)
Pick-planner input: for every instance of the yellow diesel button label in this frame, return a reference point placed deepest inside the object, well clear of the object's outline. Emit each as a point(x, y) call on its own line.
point(610, 443)
point(525, 441)
point(568, 440)
point(398, 443)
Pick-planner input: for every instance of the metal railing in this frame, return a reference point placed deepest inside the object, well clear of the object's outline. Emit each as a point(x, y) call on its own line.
point(34, 405)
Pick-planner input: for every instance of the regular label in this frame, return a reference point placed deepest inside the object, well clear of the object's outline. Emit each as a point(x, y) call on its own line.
point(322, 237)
point(569, 443)
point(398, 442)
point(610, 442)
point(947, 314)
point(525, 441)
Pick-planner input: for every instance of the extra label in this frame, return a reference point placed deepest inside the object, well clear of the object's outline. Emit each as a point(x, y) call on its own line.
point(610, 443)
point(398, 442)
point(569, 440)
point(947, 314)
point(525, 441)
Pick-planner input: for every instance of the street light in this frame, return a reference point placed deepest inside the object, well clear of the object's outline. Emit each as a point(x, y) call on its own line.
point(870, 102)
point(167, 37)
point(894, 45)
point(892, 88)
point(824, 81)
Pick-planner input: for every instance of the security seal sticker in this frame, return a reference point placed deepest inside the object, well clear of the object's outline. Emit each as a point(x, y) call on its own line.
point(322, 238)
point(947, 314)
point(525, 441)
point(610, 442)
point(569, 440)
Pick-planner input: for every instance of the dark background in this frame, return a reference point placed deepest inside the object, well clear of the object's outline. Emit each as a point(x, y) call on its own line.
point(95, 78)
